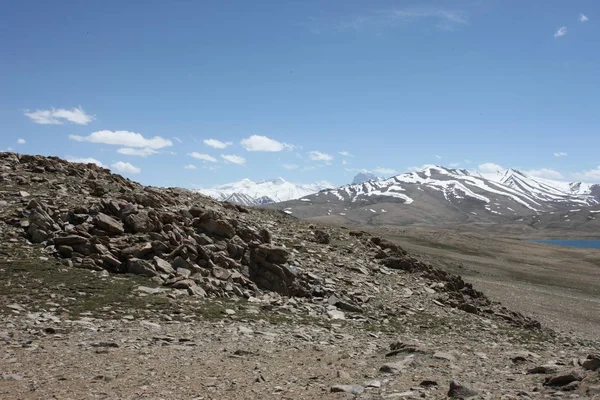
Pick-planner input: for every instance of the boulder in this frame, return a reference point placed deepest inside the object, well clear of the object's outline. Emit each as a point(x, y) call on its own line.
point(108, 224)
point(564, 378)
point(217, 227)
point(141, 267)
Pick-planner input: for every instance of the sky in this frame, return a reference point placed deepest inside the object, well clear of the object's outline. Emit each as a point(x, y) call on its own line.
point(199, 93)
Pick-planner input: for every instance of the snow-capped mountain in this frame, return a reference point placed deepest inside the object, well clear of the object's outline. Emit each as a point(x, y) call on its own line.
point(250, 193)
point(448, 194)
point(363, 177)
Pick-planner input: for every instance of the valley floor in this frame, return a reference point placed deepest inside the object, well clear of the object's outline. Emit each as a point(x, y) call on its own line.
point(559, 286)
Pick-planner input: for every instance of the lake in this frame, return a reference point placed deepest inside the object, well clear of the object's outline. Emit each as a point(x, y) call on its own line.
point(587, 244)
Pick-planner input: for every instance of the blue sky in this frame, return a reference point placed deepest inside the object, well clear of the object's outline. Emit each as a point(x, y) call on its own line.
point(198, 93)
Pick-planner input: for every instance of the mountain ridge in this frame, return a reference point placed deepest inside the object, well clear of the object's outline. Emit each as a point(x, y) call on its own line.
point(436, 194)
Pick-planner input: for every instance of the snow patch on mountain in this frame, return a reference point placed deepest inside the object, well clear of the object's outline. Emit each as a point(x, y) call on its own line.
point(250, 193)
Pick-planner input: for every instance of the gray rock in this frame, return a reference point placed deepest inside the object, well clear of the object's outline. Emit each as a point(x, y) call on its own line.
point(443, 355)
point(108, 224)
point(592, 362)
point(564, 378)
point(352, 389)
point(398, 367)
point(163, 266)
point(141, 267)
point(458, 391)
point(322, 237)
point(219, 227)
point(69, 240)
point(149, 290)
point(544, 369)
point(336, 314)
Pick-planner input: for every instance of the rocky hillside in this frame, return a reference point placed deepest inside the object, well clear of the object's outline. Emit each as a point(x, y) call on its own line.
point(188, 254)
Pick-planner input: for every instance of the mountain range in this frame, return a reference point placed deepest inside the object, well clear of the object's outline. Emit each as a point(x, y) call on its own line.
point(433, 195)
point(439, 195)
point(249, 193)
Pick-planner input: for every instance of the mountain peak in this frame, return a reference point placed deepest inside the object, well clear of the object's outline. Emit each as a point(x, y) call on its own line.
point(363, 176)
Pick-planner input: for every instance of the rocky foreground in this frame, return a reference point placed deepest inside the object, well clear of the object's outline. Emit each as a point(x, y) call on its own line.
point(109, 289)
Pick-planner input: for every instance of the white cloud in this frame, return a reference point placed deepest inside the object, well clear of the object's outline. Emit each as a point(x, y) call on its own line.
point(379, 20)
point(560, 154)
point(583, 18)
point(562, 31)
point(592, 175)
point(290, 166)
point(488, 168)
point(233, 159)
point(345, 154)
point(263, 143)
point(203, 157)
point(467, 161)
point(545, 173)
point(21, 141)
point(125, 168)
point(190, 166)
point(438, 157)
point(84, 160)
point(454, 164)
point(177, 139)
point(217, 144)
point(123, 138)
point(384, 171)
point(145, 152)
point(318, 156)
point(344, 162)
point(56, 116)
point(9, 149)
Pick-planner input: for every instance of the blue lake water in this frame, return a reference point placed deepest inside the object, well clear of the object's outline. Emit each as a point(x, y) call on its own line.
point(587, 244)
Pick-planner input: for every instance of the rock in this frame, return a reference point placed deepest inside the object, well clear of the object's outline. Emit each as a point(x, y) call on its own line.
point(428, 383)
point(398, 367)
point(372, 384)
point(343, 375)
point(460, 392)
point(592, 362)
point(108, 224)
point(468, 307)
point(402, 263)
point(142, 222)
point(149, 290)
point(196, 291)
point(564, 378)
point(69, 240)
point(163, 266)
point(37, 234)
point(322, 237)
point(219, 227)
point(272, 253)
point(352, 389)
point(221, 273)
point(336, 314)
point(141, 267)
point(544, 369)
point(343, 305)
point(442, 355)
point(183, 284)
point(410, 393)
